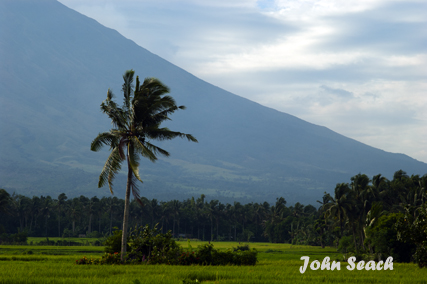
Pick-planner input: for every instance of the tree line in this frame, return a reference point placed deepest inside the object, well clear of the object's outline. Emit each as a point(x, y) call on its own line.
point(197, 218)
point(350, 214)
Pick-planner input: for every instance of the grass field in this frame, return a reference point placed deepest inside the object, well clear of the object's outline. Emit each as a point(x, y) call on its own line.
point(278, 263)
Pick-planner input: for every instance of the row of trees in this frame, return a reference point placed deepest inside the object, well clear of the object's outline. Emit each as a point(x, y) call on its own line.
point(360, 216)
point(194, 218)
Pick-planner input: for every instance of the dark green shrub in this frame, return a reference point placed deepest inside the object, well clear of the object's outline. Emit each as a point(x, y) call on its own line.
point(346, 244)
point(204, 254)
point(47, 242)
point(150, 245)
point(111, 258)
point(114, 242)
point(247, 257)
point(242, 248)
point(207, 255)
point(224, 257)
point(20, 237)
point(188, 258)
point(83, 260)
point(5, 239)
point(97, 243)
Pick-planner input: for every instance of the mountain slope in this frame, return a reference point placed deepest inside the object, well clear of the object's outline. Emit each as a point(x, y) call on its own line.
point(56, 67)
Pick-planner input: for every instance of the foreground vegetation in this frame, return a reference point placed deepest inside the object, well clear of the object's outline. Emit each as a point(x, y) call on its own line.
point(278, 263)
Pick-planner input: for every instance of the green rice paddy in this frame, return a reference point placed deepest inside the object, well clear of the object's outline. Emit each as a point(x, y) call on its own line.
point(278, 263)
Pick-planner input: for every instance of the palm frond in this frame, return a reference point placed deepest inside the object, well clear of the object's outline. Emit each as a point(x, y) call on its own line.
point(166, 134)
point(105, 138)
point(127, 88)
point(133, 160)
point(111, 167)
point(110, 95)
point(115, 113)
point(156, 150)
point(122, 143)
point(154, 86)
point(135, 190)
point(144, 148)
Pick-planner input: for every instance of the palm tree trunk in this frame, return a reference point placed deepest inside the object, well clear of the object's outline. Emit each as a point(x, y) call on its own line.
point(173, 227)
point(46, 226)
point(362, 240)
point(90, 223)
point(354, 238)
point(126, 213)
point(162, 224)
point(111, 220)
point(59, 224)
point(212, 233)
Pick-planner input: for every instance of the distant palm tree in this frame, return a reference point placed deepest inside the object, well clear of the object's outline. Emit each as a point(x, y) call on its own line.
point(341, 205)
point(5, 201)
point(60, 204)
point(135, 124)
point(174, 209)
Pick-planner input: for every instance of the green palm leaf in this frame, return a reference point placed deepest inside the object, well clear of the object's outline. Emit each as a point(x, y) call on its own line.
point(111, 167)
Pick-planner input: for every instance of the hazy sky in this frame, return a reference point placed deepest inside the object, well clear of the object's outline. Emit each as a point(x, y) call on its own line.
point(358, 67)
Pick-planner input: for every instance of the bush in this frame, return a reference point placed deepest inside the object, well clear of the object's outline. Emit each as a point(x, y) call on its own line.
point(346, 244)
point(47, 242)
point(242, 248)
point(111, 258)
point(18, 238)
point(207, 255)
point(114, 242)
point(149, 246)
point(188, 258)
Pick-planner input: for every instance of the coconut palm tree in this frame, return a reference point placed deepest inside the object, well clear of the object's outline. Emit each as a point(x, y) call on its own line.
point(135, 123)
point(60, 203)
point(5, 201)
point(340, 205)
